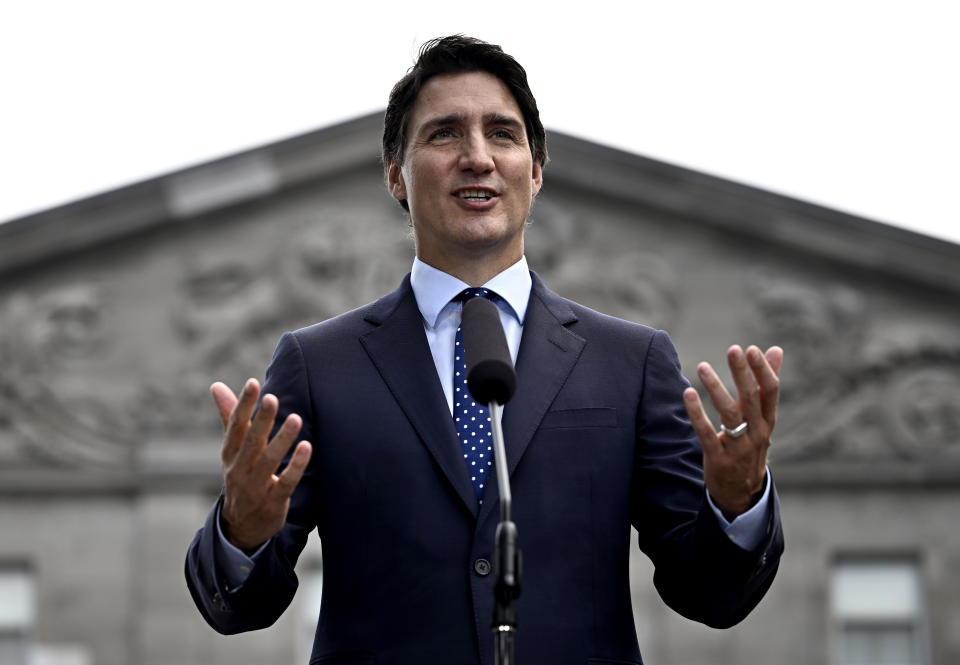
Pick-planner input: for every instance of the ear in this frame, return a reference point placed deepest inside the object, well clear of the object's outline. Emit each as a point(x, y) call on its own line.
point(395, 183)
point(537, 180)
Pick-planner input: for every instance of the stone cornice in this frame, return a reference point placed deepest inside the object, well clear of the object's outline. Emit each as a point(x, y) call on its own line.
point(756, 213)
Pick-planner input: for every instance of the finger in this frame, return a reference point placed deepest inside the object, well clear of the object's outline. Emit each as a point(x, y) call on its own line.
point(725, 405)
point(279, 446)
point(239, 421)
point(769, 384)
point(256, 438)
point(701, 423)
point(774, 356)
point(225, 400)
point(288, 480)
point(748, 391)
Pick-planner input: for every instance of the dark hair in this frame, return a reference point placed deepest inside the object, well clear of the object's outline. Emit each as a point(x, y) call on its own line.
point(453, 55)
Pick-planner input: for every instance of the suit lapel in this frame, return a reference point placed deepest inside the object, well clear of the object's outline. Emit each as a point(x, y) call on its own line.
point(399, 350)
point(547, 355)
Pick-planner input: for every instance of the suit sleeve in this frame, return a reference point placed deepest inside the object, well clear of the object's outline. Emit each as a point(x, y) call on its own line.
point(271, 584)
point(699, 572)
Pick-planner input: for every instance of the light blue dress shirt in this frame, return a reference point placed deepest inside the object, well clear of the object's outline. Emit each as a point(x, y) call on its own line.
point(434, 291)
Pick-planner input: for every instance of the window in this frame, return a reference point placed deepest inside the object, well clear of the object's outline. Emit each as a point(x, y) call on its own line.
point(17, 609)
point(877, 612)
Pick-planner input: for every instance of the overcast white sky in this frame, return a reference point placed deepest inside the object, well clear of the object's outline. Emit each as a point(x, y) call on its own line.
point(851, 104)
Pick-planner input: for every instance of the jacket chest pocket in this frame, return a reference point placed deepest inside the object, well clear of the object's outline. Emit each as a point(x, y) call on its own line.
point(580, 418)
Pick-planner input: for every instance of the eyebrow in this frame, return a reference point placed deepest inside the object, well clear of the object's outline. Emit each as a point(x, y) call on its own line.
point(504, 120)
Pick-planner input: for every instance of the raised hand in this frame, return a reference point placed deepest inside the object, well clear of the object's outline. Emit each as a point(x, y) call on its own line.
point(256, 499)
point(734, 465)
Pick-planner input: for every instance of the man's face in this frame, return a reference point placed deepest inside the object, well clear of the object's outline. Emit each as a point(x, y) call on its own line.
point(468, 174)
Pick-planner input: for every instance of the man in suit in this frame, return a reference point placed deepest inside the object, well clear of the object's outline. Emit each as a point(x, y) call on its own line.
point(603, 433)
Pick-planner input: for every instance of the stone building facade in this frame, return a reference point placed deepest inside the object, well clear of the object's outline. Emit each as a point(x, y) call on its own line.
point(118, 311)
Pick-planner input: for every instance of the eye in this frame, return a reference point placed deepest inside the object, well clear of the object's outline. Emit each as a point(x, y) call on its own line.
point(503, 134)
point(442, 133)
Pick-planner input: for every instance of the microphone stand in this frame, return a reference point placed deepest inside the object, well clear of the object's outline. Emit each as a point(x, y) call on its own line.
point(507, 560)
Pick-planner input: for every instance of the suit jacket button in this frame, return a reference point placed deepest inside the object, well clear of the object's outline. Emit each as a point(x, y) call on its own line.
point(218, 601)
point(481, 567)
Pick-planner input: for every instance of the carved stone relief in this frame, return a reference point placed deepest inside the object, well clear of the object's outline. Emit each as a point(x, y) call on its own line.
point(839, 404)
point(823, 328)
point(627, 283)
point(551, 235)
point(633, 285)
point(227, 314)
point(233, 305)
point(924, 413)
point(50, 349)
point(907, 409)
point(339, 262)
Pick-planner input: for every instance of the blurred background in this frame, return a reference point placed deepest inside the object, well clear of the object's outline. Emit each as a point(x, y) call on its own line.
point(183, 183)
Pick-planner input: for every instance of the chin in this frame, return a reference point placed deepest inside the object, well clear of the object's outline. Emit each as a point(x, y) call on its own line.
point(487, 231)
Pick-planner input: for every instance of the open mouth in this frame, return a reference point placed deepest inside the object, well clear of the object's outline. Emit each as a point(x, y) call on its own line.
point(474, 194)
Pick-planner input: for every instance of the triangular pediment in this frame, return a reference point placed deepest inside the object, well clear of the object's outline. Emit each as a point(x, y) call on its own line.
point(119, 310)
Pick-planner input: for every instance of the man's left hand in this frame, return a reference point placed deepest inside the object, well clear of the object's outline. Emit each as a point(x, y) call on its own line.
point(734, 468)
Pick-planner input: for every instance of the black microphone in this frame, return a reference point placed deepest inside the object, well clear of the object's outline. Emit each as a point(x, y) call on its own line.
point(490, 373)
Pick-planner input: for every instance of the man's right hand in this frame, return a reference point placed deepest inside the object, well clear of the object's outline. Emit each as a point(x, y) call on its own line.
point(256, 499)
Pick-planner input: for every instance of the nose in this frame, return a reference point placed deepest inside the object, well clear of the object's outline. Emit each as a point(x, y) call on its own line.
point(475, 155)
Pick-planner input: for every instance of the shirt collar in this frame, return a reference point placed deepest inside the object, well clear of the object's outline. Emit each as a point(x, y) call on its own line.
point(433, 289)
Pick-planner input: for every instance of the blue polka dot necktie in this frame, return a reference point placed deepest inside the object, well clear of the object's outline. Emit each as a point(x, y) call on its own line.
point(471, 419)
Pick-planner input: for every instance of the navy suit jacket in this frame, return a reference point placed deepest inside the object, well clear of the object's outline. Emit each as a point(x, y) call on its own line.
point(597, 440)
